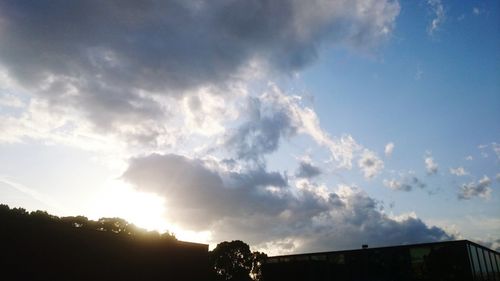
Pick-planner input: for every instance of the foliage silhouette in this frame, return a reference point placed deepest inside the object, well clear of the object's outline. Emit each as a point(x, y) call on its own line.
point(40, 246)
point(235, 262)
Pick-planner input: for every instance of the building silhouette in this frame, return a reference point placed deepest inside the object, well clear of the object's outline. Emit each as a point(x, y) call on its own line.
point(443, 261)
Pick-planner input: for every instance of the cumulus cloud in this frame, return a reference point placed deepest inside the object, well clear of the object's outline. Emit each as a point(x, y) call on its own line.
point(480, 188)
point(198, 195)
point(370, 164)
point(459, 171)
point(122, 65)
point(307, 169)
point(264, 209)
point(389, 148)
point(438, 13)
point(430, 166)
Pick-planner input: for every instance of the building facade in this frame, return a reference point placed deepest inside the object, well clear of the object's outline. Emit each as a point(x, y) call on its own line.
point(452, 260)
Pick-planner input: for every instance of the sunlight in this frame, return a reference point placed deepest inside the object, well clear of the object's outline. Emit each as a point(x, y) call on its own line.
point(146, 210)
point(119, 199)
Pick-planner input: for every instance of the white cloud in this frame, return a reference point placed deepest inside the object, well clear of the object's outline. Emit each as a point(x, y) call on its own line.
point(438, 13)
point(476, 189)
point(389, 148)
point(9, 100)
point(370, 164)
point(430, 166)
point(459, 171)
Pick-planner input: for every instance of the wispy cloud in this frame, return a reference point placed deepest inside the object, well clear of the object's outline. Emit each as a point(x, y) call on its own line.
point(406, 182)
point(38, 196)
point(438, 15)
point(459, 171)
point(476, 11)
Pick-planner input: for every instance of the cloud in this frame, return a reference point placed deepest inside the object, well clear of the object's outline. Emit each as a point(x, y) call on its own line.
point(268, 120)
point(122, 66)
point(274, 115)
point(495, 148)
point(370, 164)
point(498, 177)
point(197, 195)
point(439, 15)
point(264, 209)
point(430, 166)
point(477, 11)
point(307, 170)
point(459, 171)
point(407, 183)
point(476, 189)
point(389, 148)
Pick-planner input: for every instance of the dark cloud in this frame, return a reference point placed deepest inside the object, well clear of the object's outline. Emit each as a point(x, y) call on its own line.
point(267, 122)
point(307, 170)
point(198, 196)
point(261, 207)
point(110, 60)
point(360, 222)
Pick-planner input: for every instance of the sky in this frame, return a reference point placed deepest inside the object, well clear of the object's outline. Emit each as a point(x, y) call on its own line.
point(294, 126)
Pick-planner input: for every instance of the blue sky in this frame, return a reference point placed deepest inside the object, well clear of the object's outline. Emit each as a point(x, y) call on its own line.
point(292, 127)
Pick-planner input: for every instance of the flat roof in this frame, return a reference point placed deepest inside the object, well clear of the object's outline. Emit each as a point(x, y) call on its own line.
point(389, 247)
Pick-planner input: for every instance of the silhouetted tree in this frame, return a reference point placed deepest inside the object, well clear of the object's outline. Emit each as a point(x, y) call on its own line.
point(234, 261)
point(258, 258)
point(40, 246)
point(231, 261)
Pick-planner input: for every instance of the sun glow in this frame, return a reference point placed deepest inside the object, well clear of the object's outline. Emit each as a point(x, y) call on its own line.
point(119, 199)
point(146, 210)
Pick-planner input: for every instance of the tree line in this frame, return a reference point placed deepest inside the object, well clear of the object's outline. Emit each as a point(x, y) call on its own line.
point(36, 245)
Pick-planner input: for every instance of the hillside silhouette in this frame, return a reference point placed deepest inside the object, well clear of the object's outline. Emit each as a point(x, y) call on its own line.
point(40, 246)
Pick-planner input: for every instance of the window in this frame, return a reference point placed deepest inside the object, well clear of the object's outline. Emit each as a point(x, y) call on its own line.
point(475, 261)
point(494, 264)
point(336, 258)
point(418, 260)
point(482, 263)
point(471, 260)
point(273, 260)
point(488, 264)
point(318, 258)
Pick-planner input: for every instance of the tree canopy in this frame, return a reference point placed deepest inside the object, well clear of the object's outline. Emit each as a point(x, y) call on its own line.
point(233, 261)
